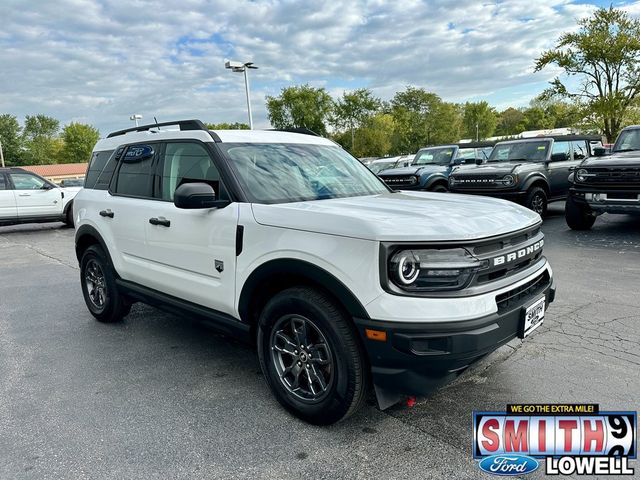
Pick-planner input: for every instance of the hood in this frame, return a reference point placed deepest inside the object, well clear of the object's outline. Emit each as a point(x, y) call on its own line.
point(497, 168)
point(621, 159)
point(401, 217)
point(414, 170)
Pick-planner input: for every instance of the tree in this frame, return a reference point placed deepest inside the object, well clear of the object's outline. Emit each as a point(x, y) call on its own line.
point(509, 122)
point(480, 120)
point(421, 118)
point(78, 142)
point(374, 136)
point(11, 139)
point(300, 107)
point(605, 55)
point(353, 109)
point(228, 126)
point(39, 135)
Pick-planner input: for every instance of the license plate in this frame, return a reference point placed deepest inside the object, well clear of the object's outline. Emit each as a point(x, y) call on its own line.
point(533, 316)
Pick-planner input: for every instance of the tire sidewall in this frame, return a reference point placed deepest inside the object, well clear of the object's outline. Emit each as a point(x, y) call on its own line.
point(95, 253)
point(336, 403)
point(533, 193)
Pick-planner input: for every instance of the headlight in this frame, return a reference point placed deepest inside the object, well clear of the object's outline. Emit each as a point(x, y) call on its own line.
point(509, 180)
point(433, 270)
point(452, 181)
point(581, 175)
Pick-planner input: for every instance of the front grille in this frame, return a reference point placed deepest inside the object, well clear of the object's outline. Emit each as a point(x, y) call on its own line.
point(519, 295)
point(397, 181)
point(613, 176)
point(476, 181)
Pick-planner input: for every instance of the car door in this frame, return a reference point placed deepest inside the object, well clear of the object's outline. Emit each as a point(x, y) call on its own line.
point(35, 197)
point(193, 251)
point(560, 162)
point(129, 208)
point(8, 210)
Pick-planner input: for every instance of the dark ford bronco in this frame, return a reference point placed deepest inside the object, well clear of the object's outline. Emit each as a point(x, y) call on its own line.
point(431, 166)
point(532, 171)
point(606, 184)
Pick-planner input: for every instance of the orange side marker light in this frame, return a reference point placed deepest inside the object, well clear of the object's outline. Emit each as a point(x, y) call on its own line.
point(377, 335)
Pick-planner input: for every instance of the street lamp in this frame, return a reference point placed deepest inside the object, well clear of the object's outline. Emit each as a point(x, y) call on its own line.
point(135, 117)
point(243, 67)
point(1, 156)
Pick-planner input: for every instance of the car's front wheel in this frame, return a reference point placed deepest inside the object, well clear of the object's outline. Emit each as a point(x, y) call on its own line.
point(311, 356)
point(99, 288)
point(537, 200)
point(578, 217)
point(440, 188)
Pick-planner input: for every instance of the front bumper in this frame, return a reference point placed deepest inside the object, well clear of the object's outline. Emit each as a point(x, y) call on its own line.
point(602, 200)
point(417, 357)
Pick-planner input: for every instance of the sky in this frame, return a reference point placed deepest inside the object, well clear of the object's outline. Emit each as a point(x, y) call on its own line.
point(99, 62)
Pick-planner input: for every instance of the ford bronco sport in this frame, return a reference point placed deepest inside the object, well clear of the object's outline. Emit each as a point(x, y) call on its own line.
point(285, 240)
point(606, 184)
point(532, 171)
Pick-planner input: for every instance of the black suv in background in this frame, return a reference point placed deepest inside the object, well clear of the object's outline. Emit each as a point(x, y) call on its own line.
point(431, 166)
point(606, 184)
point(531, 171)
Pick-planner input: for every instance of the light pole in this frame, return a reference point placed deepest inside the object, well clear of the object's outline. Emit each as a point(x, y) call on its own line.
point(243, 67)
point(1, 156)
point(135, 117)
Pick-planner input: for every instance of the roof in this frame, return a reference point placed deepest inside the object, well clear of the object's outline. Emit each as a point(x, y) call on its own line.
point(553, 137)
point(58, 169)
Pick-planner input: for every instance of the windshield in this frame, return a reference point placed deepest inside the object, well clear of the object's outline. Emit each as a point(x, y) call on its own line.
point(434, 156)
point(628, 140)
point(378, 167)
point(279, 173)
point(520, 151)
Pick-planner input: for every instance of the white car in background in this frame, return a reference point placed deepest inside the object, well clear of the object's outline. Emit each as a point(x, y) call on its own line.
point(28, 198)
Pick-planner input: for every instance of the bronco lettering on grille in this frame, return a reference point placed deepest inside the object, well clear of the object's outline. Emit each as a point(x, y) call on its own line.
point(518, 254)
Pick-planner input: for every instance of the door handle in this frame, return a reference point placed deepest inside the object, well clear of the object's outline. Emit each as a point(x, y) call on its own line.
point(24, 194)
point(106, 213)
point(160, 221)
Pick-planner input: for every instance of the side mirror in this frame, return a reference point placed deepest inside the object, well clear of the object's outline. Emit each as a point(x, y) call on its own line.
point(46, 186)
point(458, 161)
point(478, 161)
point(599, 151)
point(197, 195)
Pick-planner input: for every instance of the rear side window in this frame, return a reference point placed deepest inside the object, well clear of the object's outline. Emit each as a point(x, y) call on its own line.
point(3, 182)
point(100, 170)
point(580, 150)
point(135, 172)
point(561, 151)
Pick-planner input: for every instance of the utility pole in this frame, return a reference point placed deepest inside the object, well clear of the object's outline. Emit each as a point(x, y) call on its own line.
point(1, 155)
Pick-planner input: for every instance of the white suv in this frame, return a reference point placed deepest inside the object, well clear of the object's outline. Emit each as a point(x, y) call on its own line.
point(285, 240)
point(28, 198)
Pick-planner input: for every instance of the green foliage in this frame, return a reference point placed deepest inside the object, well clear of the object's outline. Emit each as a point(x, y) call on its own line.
point(302, 106)
point(39, 136)
point(509, 122)
point(604, 54)
point(374, 137)
point(421, 118)
point(78, 142)
point(228, 126)
point(11, 139)
point(352, 111)
point(479, 121)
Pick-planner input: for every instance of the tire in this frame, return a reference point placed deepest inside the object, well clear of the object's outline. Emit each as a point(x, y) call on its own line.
point(333, 356)
point(99, 289)
point(578, 217)
point(68, 218)
point(439, 188)
point(537, 201)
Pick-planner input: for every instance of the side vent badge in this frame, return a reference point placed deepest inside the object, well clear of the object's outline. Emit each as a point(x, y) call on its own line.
point(219, 264)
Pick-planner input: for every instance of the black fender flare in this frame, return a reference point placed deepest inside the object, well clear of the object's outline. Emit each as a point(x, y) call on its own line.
point(436, 177)
point(533, 179)
point(66, 208)
point(290, 267)
point(87, 235)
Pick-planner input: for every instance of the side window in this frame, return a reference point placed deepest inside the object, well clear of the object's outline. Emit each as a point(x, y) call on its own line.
point(186, 162)
point(98, 170)
point(580, 150)
point(134, 174)
point(561, 151)
point(26, 181)
point(3, 183)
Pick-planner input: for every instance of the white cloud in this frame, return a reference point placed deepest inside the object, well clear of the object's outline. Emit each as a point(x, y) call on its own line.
point(102, 61)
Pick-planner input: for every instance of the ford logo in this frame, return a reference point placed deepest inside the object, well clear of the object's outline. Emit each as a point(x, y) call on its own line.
point(508, 464)
point(137, 153)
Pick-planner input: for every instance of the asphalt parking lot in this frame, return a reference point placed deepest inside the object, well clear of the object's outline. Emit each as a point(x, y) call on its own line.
point(159, 396)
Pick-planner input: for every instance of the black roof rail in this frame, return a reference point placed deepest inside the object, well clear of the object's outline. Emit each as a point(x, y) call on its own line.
point(301, 130)
point(183, 124)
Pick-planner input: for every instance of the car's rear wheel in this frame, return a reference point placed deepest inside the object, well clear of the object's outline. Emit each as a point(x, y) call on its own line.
point(440, 188)
point(578, 217)
point(537, 200)
point(99, 288)
point(311, 356)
